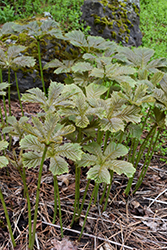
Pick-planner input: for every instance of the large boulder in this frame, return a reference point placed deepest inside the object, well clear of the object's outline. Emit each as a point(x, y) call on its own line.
point(116, 20)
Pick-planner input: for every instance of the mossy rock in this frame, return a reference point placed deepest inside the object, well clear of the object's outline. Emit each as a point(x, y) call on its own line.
point(50, 48)
point(115, 19)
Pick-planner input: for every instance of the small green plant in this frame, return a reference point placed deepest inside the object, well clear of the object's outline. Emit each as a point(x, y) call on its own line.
point(7, 13)
point(153, 26)
point(11, 59)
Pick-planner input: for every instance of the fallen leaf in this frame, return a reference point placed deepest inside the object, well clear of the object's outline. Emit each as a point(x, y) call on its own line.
point(63, 245)
point(136, 204)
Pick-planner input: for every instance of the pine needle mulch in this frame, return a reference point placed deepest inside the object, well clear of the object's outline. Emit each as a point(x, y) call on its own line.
point(137, 222)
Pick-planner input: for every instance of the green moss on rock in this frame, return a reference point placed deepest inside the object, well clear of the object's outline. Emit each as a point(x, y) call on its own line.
point(119, 18)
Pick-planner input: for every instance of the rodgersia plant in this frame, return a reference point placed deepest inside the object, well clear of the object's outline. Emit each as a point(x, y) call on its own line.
point(98, 111)
point(12, 59)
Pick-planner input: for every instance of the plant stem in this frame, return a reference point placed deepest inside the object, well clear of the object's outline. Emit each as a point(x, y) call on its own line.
point(7, 219)
point(100, 136)
point(23, 176)
point(147, 161)
point(106, 140)
point(9, 93)
point(140, 153)
point(55, 199)
point(96, 193)
point(58, 197)
point(4, 104)
point(77, 193)
point(103, 194)
point(37, 198)
point(87, 212)
point(18, 92)
point(108, 191)
point(83, 199)
point(40, 66)
point(77, 181)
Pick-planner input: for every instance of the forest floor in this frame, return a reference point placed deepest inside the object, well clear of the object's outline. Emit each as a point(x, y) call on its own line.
point(135, 222)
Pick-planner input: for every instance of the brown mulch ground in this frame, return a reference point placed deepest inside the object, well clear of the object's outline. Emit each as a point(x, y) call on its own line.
point(137, 222)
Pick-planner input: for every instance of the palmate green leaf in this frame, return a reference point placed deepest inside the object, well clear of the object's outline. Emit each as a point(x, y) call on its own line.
point(160, 116)
point(55, 89)
point(143, 74)
point(94, 148)
point(53, 64)
point(57, 33)
point(30, 142)
point(130, 114)
point(82, 111)
point(114, 151)
point(14, 51)
point(99, 174)
point(120, 73)
point(139, 57)
point(58, 95)
point(127, 55)
point(82, 67)
point(16, 126)
point(77, 38)
point(156, 65)
point(157, 77)
point(94, 91)
point(87, 160)
point(141, 96)
point(39, 126)
point(63, 131)
point(98, 73)
point(81, 121)
point(115, 72)
point(121, 167)
point(69, 150)
point(81, 79)
point(50, 123)
point(66, 67)
point(89, 56)
point(28, 128)
point(113, 124)
point(97, 42)
point(49, 131)
point(3, 145)
point(24, 61)
point(125, 86)
point(161, 96)
point(35, 95)
point(113, 104)
point(49, 27)
point(144, 55)
point(7, 28)
point(3, 161)
point(31, 159)
point(135, 130)
point(138, 97)
point(101, 162)
point(163, 83)
point(58, 166)
point(49, 24)
point(3, 86)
